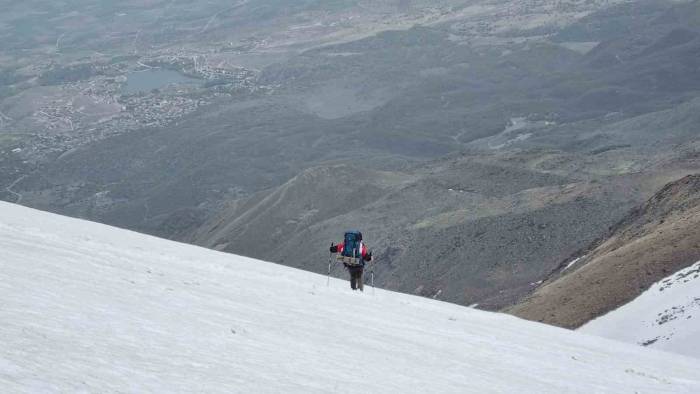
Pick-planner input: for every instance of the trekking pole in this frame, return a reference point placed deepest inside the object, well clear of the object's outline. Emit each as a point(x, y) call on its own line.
point(330, 258)
point(372, 276)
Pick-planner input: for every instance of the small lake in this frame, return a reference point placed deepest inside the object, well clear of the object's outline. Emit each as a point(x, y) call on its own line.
point(145, 81)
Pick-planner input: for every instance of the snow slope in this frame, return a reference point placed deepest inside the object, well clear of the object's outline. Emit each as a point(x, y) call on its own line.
point(87, 307)
point(667, 316)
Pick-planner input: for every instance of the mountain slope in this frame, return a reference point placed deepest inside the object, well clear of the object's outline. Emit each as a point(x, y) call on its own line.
point(664, 317)
point(280, 216)
point(476, 228)
point(92, 308)
point(658, 238)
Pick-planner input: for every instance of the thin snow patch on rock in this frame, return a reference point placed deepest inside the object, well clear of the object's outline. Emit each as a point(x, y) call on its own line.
point(572, 262)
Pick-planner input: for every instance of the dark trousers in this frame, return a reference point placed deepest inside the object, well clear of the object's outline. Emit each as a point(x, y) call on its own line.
point(356, 278)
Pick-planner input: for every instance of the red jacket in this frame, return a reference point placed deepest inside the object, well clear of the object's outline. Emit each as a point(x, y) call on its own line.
point(363, 250)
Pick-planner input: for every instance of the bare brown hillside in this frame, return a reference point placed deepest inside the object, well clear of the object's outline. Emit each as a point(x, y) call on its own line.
point(654, 240)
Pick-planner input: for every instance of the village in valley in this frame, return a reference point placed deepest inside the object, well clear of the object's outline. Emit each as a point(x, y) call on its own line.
point(103, 102)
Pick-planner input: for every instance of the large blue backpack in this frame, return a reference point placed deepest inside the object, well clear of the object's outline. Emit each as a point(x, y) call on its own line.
point(352, 245)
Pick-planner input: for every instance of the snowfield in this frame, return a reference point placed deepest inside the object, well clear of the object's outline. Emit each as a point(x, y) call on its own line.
point(667, 316)
point(90, 308)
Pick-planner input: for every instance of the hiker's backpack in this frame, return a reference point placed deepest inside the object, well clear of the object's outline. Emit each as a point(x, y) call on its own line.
point(352, 249)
